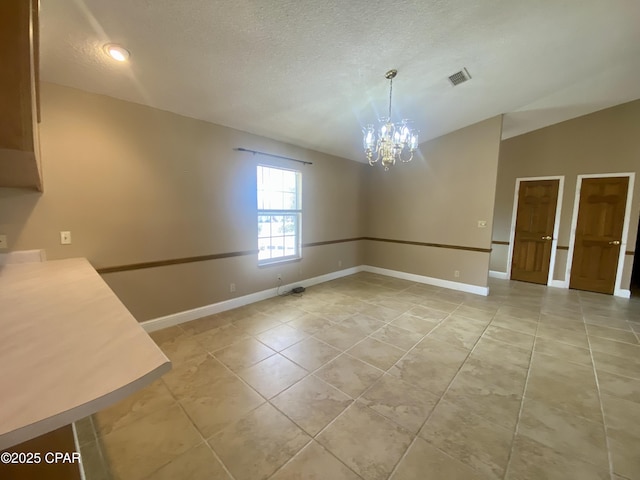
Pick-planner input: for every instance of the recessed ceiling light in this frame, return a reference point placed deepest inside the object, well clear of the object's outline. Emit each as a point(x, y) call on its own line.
point(117, 52)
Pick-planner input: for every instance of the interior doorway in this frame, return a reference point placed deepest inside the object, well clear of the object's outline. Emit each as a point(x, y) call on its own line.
point(599, 231)
point(635, 272)
point(534, 226)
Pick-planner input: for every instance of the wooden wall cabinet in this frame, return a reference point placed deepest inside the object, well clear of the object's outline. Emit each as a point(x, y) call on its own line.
point(19, 95)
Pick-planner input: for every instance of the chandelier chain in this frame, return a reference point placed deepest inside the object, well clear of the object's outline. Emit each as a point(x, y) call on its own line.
point(390, 92)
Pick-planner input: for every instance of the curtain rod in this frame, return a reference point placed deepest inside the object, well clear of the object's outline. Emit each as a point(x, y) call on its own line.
point(240, 149)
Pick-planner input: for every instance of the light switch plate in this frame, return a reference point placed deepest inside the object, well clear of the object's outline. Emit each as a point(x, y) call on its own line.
point(65, 238)
point(3, 241)
point(482, 223)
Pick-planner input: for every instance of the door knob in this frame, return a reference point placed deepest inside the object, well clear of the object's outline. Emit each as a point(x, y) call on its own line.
point(548, 237)
point(615, 242)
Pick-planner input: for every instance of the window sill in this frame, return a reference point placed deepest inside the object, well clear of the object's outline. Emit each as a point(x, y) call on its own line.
point(279, 261)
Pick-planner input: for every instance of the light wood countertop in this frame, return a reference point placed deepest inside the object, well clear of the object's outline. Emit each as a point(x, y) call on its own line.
point(68, 348)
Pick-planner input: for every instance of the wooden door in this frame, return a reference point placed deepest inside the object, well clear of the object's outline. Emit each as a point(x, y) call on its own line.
point(535, 219)
point(599, 233)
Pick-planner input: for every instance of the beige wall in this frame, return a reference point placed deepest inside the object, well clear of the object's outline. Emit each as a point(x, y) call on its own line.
point(607, 141)
point(437, 198)
point(135, 184)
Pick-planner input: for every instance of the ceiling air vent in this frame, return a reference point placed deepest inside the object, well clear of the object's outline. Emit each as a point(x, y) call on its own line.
point(459, 77)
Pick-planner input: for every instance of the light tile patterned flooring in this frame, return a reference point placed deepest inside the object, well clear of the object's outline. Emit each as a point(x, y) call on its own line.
point(371, 377)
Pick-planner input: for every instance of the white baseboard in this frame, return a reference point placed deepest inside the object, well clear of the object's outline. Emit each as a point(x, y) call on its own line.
point(500, 275)
point(621, 292)
point(618, 292)
point(195, 313)
point(438, 282)
point(326, 277)
point(22, 256)
point(76, 443)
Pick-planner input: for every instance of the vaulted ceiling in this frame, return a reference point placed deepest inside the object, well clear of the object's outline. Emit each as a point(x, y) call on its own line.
point(311, 72)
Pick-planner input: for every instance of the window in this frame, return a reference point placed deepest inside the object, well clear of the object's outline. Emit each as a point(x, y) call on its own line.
point(279, 213)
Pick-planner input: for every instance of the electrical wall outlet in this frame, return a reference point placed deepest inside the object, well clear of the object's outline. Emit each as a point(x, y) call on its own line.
point(482, 224)
point(232, 287)
point(339, 263)
point(3, 241)
point(65, 238)
point(456, 273)
point(279, 276)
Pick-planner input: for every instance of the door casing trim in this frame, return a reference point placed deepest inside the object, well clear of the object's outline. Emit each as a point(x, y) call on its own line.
point(556, 224)
point(617, 291)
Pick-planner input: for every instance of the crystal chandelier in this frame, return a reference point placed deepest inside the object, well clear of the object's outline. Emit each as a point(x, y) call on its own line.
point(390, 142)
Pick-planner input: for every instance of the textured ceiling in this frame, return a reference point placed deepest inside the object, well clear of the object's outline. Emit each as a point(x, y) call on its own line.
point(311, 72)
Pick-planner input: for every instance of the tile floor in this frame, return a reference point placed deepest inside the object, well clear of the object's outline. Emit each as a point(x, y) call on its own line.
point(371, 377)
